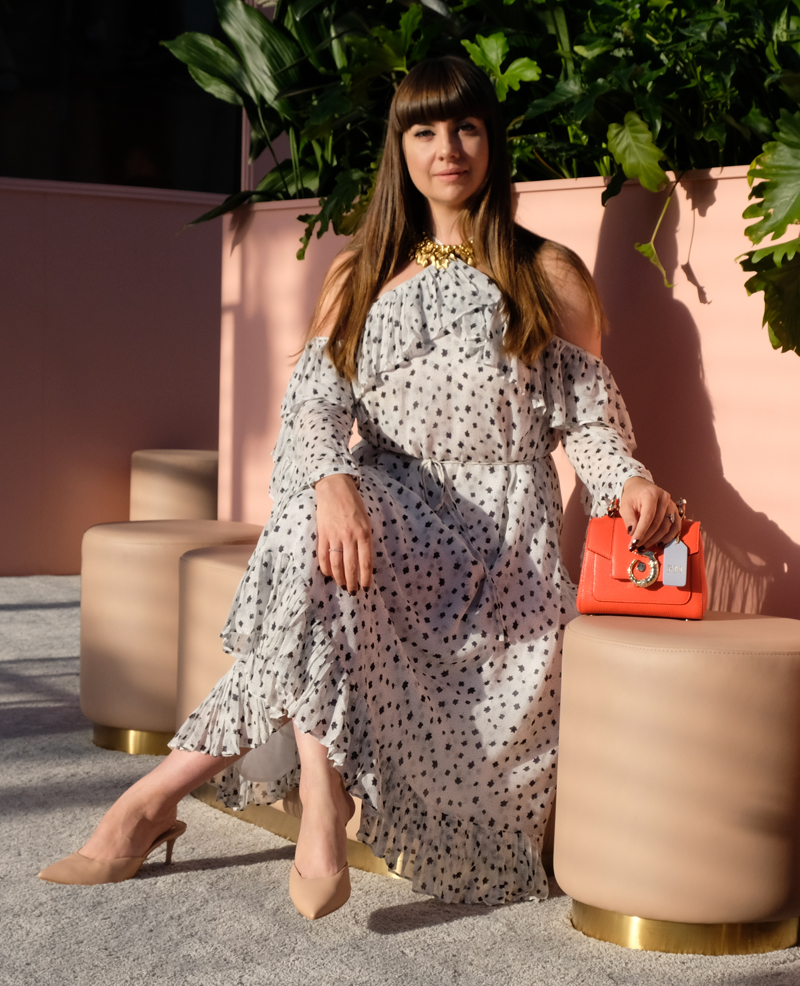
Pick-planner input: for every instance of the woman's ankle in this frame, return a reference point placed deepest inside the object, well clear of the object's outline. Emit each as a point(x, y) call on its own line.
point(324, 786)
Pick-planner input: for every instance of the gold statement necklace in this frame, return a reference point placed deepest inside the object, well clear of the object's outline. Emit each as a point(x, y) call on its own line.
point(428, 251)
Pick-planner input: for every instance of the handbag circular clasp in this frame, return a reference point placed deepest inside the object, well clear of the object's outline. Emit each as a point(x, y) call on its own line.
point(638, 565)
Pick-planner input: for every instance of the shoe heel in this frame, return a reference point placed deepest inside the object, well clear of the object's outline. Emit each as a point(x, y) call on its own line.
point(168, 840)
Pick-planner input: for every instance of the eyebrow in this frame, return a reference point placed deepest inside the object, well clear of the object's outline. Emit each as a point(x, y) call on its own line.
point(453, 119)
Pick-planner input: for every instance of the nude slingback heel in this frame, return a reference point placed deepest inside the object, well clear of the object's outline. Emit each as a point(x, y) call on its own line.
point(79, 870)
point(317, 897)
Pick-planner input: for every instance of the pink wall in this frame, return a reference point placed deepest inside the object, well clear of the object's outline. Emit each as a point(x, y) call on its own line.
point(268, 299)
point(109, 342)
point(714, 407)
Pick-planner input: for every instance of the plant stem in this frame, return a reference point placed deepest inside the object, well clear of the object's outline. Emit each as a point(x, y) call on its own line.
point(553, 171)
point(272, 150)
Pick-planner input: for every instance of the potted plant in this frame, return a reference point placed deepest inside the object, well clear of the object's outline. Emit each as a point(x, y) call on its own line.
point(619, 89)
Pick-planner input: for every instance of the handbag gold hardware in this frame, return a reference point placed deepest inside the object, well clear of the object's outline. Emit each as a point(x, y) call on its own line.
point(638, 565)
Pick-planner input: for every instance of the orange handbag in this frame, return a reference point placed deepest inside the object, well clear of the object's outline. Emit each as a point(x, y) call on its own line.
point(616, 580)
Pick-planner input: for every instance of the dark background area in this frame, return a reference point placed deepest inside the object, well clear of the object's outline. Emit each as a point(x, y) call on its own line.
point(87, 94)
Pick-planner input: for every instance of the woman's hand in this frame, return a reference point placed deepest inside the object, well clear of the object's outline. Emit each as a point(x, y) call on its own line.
point(650, 513)
point(344, 533)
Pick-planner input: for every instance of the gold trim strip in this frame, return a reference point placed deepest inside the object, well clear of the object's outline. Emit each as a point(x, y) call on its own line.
point(138, 741)
point(677, 937)
point(288, 827)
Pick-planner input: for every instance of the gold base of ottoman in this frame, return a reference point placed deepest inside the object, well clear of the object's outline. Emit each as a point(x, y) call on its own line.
point(288, 827)
point(677, 937)
point(132, 740)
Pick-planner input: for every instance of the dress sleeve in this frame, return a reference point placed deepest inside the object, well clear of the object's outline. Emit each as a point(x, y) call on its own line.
point(317, 419)
point(588, 411)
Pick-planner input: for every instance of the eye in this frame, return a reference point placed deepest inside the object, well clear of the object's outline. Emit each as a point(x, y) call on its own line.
point(423, 132)
point(467, 126)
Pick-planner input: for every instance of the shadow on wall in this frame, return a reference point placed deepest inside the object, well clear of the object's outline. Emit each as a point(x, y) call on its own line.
point(654, 352)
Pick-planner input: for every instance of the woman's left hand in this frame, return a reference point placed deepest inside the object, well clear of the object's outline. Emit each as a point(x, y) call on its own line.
point(650, 514)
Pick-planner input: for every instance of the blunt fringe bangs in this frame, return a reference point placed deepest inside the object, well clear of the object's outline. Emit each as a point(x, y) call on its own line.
point(448, 88)
point(441, 89)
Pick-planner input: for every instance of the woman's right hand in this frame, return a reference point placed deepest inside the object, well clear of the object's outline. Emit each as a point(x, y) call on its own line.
point(344, 533)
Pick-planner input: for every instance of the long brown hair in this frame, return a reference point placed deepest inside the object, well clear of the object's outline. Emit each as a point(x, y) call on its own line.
point(444, 89)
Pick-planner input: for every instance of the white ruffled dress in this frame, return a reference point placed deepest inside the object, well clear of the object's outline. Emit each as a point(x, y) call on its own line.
point(436, 691)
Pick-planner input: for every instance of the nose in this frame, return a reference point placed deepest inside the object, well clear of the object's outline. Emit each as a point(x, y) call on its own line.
point(449, 145)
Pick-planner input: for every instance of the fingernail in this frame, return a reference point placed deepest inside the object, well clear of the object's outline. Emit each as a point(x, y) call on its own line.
point(630, 530)
point(660, 544)
point(632, 545)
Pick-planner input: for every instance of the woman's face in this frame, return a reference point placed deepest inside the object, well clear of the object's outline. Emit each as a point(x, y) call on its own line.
point(447, 160)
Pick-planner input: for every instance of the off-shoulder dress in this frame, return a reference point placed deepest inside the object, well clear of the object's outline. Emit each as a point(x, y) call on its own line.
point(436, 691)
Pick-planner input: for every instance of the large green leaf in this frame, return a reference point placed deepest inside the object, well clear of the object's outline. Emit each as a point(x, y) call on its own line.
point(563, 92)
point(488, 54)
point(212, 65)
point(303, 7)
point(231, 202)
point(777, 171)
point(634, 149)
point(215, 86)
point(755, 120)
point(409, 25)
point(285, 180)
point(777, 273)
point(520, 70)
point(392, 54)
point(269, 55)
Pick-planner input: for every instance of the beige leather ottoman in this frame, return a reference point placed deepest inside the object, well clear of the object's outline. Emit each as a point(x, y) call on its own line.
point(208, 580)
point(174, 484)
point(678, 825)
point(129, 625)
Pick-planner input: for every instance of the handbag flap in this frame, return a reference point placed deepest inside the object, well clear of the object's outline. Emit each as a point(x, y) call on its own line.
point(607, 536)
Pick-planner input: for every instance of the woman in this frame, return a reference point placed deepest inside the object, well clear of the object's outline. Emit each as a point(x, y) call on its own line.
point(404, 610)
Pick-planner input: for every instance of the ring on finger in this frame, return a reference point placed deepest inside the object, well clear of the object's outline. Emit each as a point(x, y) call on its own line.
point(671, 518)
point(331, 550)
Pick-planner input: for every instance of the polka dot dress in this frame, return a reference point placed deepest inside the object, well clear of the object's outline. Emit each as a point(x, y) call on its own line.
point(436, 691)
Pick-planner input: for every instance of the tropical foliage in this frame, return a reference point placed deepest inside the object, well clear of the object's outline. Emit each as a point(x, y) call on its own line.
point(777, 267)
point(609, 87)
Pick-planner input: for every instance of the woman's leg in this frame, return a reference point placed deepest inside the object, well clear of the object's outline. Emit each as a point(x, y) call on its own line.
point(148, 808)
point(327, 808)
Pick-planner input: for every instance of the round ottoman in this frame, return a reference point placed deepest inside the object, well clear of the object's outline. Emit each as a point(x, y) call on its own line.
point(129, 625)
point(174, 484)
point(678, 825)
point(209, 578)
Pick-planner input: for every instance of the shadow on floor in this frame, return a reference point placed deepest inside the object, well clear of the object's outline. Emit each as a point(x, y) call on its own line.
point(156, 870)
point(429, 912)
point(26, 721)
point(11, 607)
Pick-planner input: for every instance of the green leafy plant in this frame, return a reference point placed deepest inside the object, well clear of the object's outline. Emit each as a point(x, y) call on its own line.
point(776, 268)
point(617, 88)
point(489, 53)
point(322, 75)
